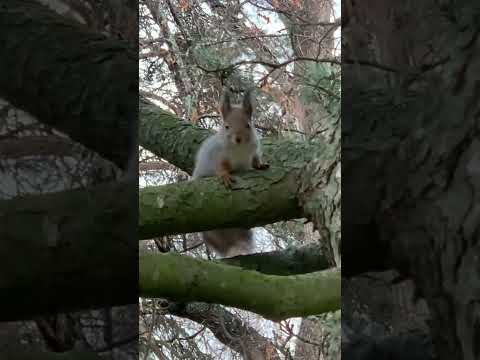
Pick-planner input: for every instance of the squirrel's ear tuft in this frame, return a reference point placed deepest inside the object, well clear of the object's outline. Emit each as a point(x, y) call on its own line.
point(247, 102)
point(226, 107)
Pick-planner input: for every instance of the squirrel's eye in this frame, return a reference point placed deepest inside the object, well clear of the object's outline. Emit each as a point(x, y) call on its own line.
point(227, 127)
point(248, 126)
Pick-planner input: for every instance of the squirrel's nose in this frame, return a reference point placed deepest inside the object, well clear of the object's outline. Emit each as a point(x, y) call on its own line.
point(238, 139)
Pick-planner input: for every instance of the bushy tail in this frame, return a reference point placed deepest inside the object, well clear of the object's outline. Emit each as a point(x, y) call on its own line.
point(229, 242)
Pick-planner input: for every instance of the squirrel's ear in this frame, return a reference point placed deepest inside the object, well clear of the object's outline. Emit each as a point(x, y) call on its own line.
point(247, 102)
point(226, 107)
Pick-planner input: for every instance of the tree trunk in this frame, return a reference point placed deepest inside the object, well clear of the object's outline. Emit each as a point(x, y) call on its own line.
point(410, 157)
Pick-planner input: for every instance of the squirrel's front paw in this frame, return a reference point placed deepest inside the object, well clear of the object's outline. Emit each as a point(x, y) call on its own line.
point(227, 179)
point(262, 166)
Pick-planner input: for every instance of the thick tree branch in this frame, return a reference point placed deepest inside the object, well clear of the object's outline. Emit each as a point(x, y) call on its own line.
point(69, 251)
point(70, 78)
point(25, 146)
point(177, 141)
point(257, 198)
point(20, 354)
point(167, 136)
point(184, 279)
point(291, 261)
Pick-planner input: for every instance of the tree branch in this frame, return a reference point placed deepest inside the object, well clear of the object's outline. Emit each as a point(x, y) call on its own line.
point(272, 66)
point(165, 135)
point(228, 329)
point(33, 145)
point(257, 198)
point(20, 354)
point(74, 80)
point(69, 251)
point(291, 261)
point(182, 278)
point(177, 141)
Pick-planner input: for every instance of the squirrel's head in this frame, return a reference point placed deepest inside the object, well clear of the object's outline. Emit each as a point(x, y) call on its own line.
point(237, 120)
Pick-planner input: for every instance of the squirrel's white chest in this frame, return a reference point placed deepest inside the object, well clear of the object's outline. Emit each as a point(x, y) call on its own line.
point(240, 157)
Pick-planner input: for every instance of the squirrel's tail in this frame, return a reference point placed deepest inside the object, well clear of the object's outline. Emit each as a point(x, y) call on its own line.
point(229, 242)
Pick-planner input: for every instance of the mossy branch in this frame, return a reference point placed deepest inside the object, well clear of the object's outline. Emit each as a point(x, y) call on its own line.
point(257, 198)
point(290, 261)
point(182, 278)
point(177, 141)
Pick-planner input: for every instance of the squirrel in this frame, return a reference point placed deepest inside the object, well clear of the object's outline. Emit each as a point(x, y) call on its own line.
point(235, 147)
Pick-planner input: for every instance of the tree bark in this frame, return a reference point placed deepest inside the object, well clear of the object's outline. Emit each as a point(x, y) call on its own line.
point(68, 251)
point(309, 343)
point(18, 354)
point(77, 81)
point(291, 261)
point(410, 166)
point(255, 199)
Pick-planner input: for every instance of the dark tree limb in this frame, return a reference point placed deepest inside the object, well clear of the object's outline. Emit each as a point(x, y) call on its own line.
point(70, 78)
point(69, 251)
point(291, 261)
point(228, 329)
point(20, 354)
